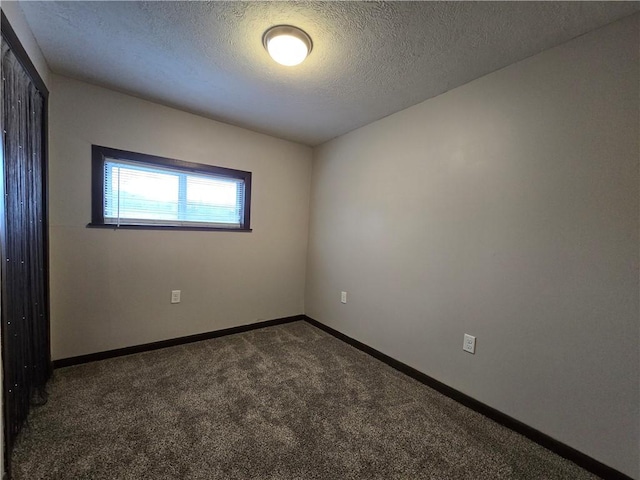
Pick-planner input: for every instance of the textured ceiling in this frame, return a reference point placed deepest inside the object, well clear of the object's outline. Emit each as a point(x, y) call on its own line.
point(369, 59)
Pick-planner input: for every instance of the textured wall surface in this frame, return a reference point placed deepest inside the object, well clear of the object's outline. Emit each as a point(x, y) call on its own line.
point(506, 209)
point(370, 59)
point(111, 289)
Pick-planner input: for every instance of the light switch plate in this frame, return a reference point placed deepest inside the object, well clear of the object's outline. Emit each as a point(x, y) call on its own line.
point(175, 296)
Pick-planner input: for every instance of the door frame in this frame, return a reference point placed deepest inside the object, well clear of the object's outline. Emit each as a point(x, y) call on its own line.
point(9, 36)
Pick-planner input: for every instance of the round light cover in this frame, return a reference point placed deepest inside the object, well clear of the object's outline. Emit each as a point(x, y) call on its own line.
point(287, 45)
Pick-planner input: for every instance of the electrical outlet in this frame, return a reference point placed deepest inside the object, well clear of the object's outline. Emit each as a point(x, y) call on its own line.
point(175, 296)
point(469, 344)
point(343, 297)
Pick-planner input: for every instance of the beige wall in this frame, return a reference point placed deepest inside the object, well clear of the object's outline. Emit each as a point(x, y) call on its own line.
point(506, 209)
point(111, 289)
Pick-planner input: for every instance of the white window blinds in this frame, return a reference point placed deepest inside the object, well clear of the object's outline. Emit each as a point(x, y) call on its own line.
point(138, 193)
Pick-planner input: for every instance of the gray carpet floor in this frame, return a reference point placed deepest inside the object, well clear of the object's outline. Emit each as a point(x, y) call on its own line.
point(285, 402)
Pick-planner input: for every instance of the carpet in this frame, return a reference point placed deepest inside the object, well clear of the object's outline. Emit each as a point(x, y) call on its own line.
point(280, 403)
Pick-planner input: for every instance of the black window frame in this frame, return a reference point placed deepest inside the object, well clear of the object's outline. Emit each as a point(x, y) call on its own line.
point(100, 154)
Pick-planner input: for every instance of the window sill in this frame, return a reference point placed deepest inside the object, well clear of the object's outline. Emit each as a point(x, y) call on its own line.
point(166, 227)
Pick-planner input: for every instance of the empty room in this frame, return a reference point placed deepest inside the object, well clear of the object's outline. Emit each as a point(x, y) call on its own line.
point(320, 240)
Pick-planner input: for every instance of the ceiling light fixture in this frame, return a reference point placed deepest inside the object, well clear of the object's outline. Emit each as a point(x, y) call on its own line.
point(287, 45)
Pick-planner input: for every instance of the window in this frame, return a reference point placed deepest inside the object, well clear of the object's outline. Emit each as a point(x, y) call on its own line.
point(134, 190)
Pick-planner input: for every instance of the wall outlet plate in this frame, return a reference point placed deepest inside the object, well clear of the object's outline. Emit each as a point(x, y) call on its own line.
point(175, 296)
point(469, 344)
